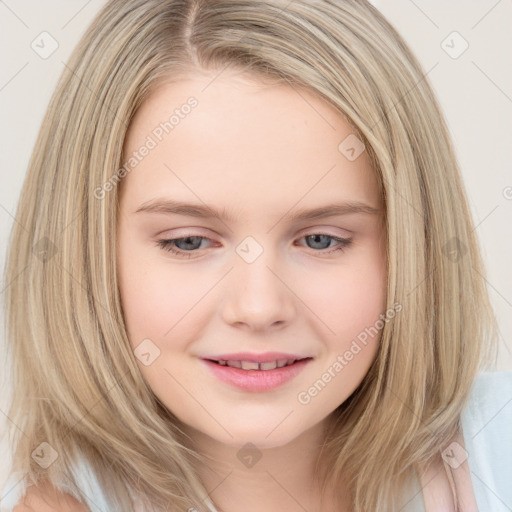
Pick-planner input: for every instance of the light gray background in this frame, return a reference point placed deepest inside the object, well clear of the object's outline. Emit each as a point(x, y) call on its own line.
point(474, 89)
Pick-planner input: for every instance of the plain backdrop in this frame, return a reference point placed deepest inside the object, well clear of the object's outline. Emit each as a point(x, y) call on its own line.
point(464, 46)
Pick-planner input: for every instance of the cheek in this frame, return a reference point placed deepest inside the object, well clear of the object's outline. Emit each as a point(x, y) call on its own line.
point(153, 300)
point(363, 297)
point(347, 297)
point(334, 303)
point(156, 304)
point(350, 304)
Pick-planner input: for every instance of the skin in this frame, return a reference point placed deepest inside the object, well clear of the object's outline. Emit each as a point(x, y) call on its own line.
point(259, 151)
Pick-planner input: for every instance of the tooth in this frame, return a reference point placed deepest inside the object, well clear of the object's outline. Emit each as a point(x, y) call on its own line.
point(268, 366)
point(281, 363)
point(290, 361)
point(222, 362)
point(249, 365)
point(234, 364)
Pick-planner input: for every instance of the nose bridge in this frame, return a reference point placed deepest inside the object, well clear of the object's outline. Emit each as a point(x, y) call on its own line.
point(252, 271)
point(257, 295)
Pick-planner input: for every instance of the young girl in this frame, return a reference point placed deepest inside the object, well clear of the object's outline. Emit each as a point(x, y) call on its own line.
point(243, 275)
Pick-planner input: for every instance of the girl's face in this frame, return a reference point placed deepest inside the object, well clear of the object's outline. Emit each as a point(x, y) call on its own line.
point(260, 279)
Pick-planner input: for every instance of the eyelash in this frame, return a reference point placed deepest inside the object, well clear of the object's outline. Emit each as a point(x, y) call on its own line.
point(166, 244)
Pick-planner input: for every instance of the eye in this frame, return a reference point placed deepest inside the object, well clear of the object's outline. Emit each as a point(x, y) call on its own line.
point(191, 244)
point(320, 238)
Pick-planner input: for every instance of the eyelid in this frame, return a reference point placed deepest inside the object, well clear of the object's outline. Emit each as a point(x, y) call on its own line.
point(190, 231)
point(323, 230)
point(187, 231)
point(341, 243)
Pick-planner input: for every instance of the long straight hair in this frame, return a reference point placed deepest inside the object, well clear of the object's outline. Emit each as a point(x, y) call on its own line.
point(77, 385)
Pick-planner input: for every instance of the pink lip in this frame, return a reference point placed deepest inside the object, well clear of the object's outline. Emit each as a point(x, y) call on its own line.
point(266, 357)
point(256, 380)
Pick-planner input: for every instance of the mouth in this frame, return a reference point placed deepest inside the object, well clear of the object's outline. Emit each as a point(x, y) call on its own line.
point(254, 365)
point(255, 376)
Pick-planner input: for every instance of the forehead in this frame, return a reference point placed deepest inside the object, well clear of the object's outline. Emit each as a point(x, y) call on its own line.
point(247, 141)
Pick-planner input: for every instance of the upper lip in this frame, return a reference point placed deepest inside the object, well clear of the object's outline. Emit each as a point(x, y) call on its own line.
point(266, 357)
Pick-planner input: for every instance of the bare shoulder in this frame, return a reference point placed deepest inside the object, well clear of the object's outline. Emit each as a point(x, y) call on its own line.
point(46, 498)
point(442, 486)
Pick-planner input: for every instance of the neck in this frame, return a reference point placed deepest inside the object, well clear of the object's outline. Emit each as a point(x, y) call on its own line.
point(271, 479)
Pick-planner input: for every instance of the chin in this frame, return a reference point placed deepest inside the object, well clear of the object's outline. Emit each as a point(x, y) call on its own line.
point(271, 435)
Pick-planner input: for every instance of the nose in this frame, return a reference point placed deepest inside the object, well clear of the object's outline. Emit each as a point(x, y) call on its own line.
point(258, 295)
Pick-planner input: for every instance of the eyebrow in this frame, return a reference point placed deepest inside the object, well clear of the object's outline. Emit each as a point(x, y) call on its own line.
point(172, 207)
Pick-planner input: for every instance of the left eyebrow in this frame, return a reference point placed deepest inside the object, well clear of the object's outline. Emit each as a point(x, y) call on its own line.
point(171, 207)
point(331, 210)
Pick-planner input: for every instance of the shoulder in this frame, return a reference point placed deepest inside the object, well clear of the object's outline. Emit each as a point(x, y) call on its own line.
point(46, 498)
point(494, 380)
point(485, 423)
point(489, 407)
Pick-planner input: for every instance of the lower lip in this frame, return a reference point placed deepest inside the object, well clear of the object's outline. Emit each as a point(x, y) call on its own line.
point(256, 380)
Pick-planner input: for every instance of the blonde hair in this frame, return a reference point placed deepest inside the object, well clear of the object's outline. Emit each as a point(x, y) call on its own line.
point(77, 384)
